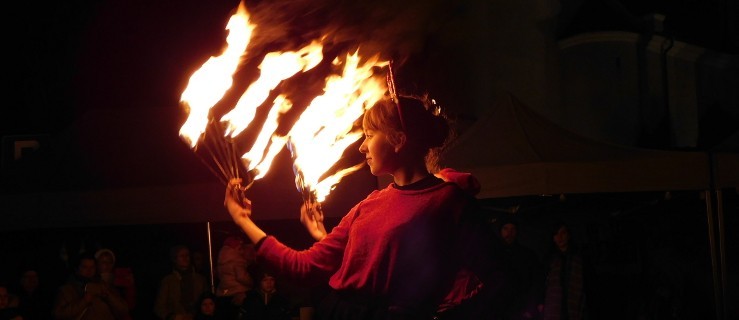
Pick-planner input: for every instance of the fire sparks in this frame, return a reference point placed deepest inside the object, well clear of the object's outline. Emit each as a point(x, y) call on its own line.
point(319, 136)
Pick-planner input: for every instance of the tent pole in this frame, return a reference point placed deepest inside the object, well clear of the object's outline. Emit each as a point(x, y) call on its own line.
point(718, 262)
point(714, 257)
point(722, 247)
point(210, 260)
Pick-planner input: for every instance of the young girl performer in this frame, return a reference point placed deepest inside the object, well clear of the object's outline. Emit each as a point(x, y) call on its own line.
point(395, 254)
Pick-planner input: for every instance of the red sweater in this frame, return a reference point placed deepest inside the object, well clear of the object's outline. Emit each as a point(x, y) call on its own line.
point(395, 244)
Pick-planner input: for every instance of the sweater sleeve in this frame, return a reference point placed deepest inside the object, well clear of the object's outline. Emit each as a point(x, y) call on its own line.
point(323, 258)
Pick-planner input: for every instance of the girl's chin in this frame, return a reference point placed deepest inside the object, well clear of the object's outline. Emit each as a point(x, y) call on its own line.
point(377, 172)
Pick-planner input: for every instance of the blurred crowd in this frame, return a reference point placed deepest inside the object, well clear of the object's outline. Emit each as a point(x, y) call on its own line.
point(557, 282)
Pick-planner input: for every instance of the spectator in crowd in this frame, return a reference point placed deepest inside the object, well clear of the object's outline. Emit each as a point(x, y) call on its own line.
point(200, 262)
point(8, 305)
point(525, 275)
point(234, 279)
point(178, 292)
point(208, 308)
point(34, 299)
point(86, 297)
point(567, 278)
point(265, 302)
point(121, 278)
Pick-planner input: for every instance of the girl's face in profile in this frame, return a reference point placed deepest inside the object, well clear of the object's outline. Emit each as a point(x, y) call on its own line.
point(379, 153)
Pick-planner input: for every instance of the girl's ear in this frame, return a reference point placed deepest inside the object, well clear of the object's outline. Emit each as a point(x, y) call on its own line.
point(401, 138)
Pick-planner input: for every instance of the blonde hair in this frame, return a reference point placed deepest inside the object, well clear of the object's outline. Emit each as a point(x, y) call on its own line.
point(427, 130)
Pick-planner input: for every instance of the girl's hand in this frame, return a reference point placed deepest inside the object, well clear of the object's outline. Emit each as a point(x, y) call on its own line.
point(239, 210)
point(312, 218)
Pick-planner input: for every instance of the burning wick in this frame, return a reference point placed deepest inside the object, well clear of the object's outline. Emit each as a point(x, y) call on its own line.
point(314, 208)
point(238, 190)
point(317, 139)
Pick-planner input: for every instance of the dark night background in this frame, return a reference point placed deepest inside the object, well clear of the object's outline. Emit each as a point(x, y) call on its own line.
point(97, 84)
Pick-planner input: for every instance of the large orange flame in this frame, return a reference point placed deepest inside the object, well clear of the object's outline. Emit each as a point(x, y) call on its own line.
point(208, 85)
point(326, 128)
point(322, 131)
point(276, 67)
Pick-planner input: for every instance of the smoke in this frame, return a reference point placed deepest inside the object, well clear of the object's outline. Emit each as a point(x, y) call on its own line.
point(394, 29)
point(432, 43)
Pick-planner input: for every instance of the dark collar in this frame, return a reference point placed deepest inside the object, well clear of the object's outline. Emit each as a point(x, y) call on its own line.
point(427, 182)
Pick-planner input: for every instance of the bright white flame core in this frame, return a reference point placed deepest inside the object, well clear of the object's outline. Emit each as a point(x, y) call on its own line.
point(208, 85)
point(276, 67)
point(322, 132)
point(325, 129)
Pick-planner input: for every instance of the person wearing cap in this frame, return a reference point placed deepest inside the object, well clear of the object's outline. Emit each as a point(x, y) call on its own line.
point(85, 297)
point(119, 277)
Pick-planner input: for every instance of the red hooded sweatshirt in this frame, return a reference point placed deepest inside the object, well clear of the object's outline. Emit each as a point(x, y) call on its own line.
point(398, 245)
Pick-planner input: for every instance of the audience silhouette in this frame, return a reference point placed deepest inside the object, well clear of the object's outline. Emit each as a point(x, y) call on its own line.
point(121, 278)
point(179, 290)
point(34, 297)
point(85, 296)
point(265, 302)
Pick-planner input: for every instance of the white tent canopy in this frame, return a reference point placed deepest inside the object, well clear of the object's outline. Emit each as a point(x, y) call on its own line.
point(515, 152)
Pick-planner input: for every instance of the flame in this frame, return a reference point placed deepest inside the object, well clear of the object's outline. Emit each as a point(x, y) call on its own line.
point(275, 68)
point(326, 128)
point(209, 83)
point(256, 156)
point(321, 133)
